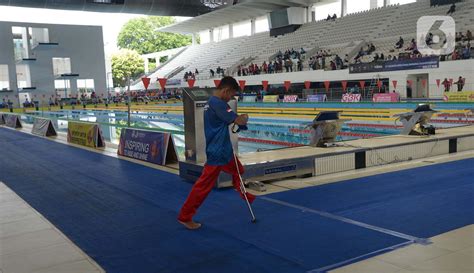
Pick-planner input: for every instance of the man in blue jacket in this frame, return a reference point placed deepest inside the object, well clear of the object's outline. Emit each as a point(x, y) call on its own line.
point(220, 155)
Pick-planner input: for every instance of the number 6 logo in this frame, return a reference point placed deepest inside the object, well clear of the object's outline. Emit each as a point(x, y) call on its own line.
point(436, 35)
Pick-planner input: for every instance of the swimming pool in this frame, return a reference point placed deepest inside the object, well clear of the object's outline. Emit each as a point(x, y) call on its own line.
point(265, 132)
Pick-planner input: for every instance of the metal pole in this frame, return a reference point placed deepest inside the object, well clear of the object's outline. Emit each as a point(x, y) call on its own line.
point(128, 101)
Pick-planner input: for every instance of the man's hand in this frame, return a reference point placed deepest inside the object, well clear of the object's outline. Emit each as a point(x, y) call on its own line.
point(242, 119)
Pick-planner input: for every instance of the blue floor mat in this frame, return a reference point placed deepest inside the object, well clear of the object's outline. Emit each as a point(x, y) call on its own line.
point(123, 215)
point(422, 202)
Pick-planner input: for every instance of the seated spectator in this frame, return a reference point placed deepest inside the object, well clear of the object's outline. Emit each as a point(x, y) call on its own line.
point(460, 83)
point(400, 43)
point(382, 57)
point(328, 18)
point(300, 65)
point(212, 73)
point(429, 39)
point(302, 51)
point(332, 65)
point(334, 17)
point(459, 36)
point(466, 53)
point(447, 85)
point(468, 36)
point(452, 9)
point(376, 57)
point(196, 72)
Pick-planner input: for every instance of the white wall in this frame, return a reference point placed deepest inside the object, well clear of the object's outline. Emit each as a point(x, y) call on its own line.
point(83, 44)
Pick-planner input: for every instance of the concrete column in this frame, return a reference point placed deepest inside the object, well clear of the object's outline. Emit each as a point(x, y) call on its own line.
point(157, 60)
point(344, 8)
point(211, 35)
point(231, 31)
point(252, 27)
point(386, 3)
point(193, 36)
point(73, 87)
point(146, 64)
point(373, 4)
point(309, 14)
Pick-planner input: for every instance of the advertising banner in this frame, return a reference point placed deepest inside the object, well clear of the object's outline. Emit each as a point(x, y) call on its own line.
point(463, 96)
point(403, 64)
point(12, 121)
point(270, 98)
point(350, 98)
point(249, 98)
point(173, 82)
point(43, 127)
point(149, 146)
point(386, 97)
point(290, 98)
point(85, 134)
point(317, 98)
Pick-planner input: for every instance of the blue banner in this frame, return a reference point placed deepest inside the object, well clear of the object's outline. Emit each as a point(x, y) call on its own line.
point(144, 145)
point(173, 82)
point(317, 98)
point(418, 63)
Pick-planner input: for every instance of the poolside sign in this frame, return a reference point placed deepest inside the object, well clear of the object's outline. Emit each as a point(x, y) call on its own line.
point(350, 97)
point(85, 134)
point(12, 121)
point(270, 98)
point(43, 127)
point(317, 98)
point(463, 96)
point(149, 146)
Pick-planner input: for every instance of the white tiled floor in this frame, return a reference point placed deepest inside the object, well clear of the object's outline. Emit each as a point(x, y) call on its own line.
point(31, 244)
point(452, 252)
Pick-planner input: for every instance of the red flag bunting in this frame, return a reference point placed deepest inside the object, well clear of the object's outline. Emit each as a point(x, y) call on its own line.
point(423, 82)
point(326, 85)
point(307, 84)
point(162, 82)
point(217, 82)
point(191, 83)
point(379, 83)
point(242, 84)
point(265, 85)
point(438, 82)
point(146, 82)
point(394, 82)
point(410, 83)
point(344, 85)
point(362, 84)
point(287, 85)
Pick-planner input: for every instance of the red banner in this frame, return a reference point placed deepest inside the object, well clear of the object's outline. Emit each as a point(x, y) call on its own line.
point(344, 85)
point(438, 82)
point(191, 83)
point(394, 82)
point(423, 82)
point(146, 82)
point(362, 84)
point(326, 85)
point(307, 84)
point(379, 84)
point(217, 82)
point(410, 83)
point(242, 84)
point(265, 85)
point(162, 82)
point(287, 85)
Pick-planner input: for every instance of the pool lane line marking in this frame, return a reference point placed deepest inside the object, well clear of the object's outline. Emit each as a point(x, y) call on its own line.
point(360, 258)
point(414, 239)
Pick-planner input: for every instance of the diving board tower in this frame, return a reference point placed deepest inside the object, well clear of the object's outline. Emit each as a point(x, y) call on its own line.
point(417, 122)
point(325, 127)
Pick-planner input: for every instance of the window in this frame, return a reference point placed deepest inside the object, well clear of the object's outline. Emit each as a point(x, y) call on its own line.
point(62, 88)
point(85, 86)
point(38, 35)
point(242, 29)
point(323, 10)
point(20, 43)
point(23, 76)
point(4, 79)
point(261, 24)
point(61, 66)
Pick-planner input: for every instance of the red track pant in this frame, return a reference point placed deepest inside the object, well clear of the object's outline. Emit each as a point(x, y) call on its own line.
point(204, 185)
